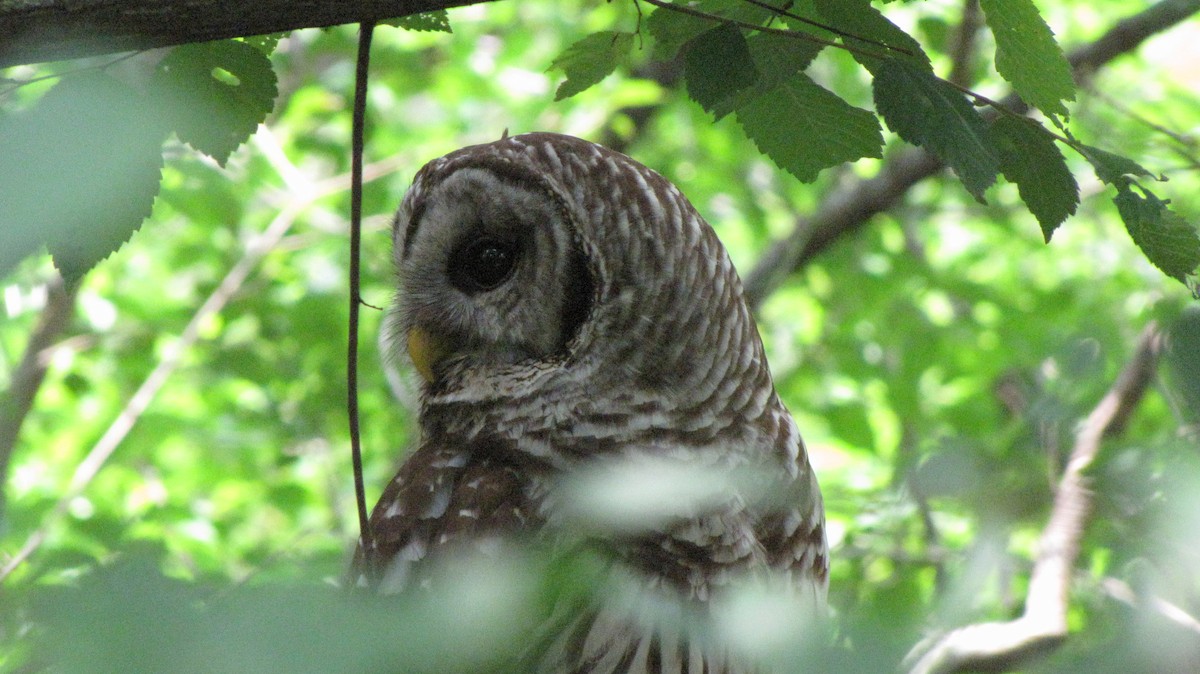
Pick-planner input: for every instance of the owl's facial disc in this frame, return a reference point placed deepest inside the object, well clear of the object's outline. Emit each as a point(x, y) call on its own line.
point(491, 277)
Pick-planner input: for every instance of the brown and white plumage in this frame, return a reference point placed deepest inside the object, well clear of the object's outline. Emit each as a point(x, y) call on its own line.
point(568, 307)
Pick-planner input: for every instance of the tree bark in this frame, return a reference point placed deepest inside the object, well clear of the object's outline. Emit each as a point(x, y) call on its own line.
point(1005, 646)
point(53, 30)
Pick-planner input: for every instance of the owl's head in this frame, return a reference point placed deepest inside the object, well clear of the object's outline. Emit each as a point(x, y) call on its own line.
point(492, 274)
point(542, 257)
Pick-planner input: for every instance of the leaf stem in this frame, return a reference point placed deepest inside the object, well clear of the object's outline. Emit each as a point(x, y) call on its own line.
point(807, 37)
point(782, 11)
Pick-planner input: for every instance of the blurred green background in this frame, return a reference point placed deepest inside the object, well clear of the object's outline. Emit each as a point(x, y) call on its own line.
point(938, 363)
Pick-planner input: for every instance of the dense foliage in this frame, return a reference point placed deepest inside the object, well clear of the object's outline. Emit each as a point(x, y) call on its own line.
point(185, 463)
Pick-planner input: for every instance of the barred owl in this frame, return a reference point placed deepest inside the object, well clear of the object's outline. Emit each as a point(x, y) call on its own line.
point(565, 306)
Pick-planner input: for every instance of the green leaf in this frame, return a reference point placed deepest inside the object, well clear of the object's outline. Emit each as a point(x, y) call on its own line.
point(219, 92)
point(858, 18)
point(1028, 56)
point(437, 21)
point(927, 111)
point(78, 172)
point(1168, 241)
point(1112, 168)
point(590, 60)
point(804, 128)
point(717, 65)
point(672, 29)
point(778, 57)
point(1030, 159)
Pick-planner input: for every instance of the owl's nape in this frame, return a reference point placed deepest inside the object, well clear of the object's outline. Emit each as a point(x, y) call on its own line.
point(567, 307)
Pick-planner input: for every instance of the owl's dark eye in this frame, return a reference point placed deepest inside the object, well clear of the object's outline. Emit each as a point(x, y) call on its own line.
point(483, 264)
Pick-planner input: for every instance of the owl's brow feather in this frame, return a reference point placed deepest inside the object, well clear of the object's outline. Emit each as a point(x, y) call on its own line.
point(504, 169)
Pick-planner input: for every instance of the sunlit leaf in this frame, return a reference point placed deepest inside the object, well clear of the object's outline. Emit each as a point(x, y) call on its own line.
point(718, 65)
point(672, 29)
point(435, 21)
point(884, 39)
point(778, 57)
point(265, 43)
point(804, 128)
point(1112, 168)
point(590, 60)
point(1028, 56)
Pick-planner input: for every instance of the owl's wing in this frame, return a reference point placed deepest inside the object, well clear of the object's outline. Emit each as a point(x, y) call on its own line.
point(653, 613)
point(793, 536)
point(440, 498)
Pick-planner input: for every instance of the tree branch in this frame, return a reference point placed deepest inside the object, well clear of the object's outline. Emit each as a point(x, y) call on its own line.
point(1043, 626)
point(851, 205)
point(53, 30)
point(1120, 591)
point(31, 372)
point(299, 200)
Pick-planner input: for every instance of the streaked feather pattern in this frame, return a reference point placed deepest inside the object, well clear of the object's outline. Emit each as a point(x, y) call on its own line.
point(623, 334)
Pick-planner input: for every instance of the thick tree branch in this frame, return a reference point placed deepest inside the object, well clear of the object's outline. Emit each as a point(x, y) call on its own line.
point(851, 205)
point(1043, 625)
point(53, 30)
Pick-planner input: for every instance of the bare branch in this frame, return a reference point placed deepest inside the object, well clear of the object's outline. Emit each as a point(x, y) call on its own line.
point(87, 469)
point(851, 205)
point(1043, 625)
point(1120, 591)
point(962, 49)
point(31, 371)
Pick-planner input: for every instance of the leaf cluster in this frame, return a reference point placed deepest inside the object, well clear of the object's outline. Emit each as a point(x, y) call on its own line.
point(752, 59)
point(82, 165)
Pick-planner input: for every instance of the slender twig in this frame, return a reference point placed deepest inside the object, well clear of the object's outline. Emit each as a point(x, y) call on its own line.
point(1120, 591)
point(172, 356)
point(782, 11)
point(14, 84)
point(799, 35)
point(1184, 144)
point(365, 30)
point(31, 371)
point(1043, 625)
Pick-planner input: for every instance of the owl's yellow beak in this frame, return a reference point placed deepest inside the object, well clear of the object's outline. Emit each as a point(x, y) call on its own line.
point(426, 350)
